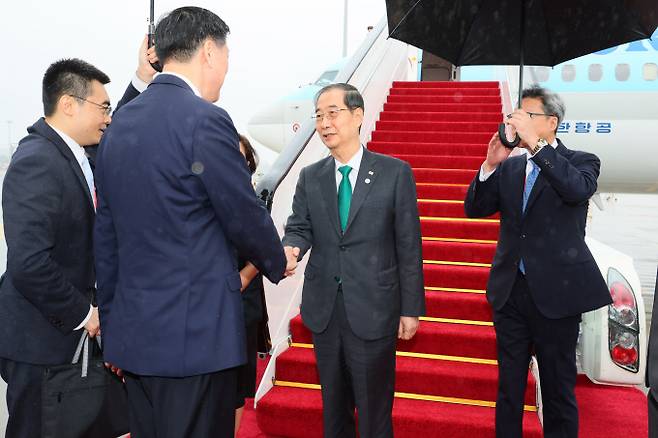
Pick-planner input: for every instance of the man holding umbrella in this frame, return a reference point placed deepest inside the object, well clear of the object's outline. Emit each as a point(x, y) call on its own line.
point(543, 276)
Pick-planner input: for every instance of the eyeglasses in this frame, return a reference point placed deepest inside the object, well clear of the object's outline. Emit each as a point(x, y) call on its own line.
point(331, 114)
point(107, 109)
point(540, 114)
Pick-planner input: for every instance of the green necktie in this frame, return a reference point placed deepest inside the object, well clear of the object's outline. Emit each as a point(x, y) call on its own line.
point(344, 196)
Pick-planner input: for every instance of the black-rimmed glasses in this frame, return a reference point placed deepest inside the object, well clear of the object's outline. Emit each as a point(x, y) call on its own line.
point(107, 109)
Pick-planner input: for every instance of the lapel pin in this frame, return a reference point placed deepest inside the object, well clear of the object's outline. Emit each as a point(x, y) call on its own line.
point(370, 172)
point(367, 180)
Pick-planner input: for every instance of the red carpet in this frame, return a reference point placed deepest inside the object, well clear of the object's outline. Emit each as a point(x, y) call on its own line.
point(446, 376)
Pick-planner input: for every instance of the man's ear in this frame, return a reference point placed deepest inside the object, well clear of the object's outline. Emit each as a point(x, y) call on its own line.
point(67, 105)
point(208, 49)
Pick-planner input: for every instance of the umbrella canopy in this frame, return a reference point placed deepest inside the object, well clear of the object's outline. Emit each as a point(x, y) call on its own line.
point(523, 32)
point(489, 32)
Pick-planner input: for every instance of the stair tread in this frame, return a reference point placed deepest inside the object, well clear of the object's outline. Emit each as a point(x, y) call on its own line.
point(415, 375)
point(411, 418)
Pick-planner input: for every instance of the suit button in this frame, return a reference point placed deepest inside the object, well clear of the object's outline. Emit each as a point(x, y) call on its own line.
point(522, 236)
point(343, 248)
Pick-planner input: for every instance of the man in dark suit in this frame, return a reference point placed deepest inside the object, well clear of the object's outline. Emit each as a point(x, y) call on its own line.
point(543, 276)
point(175, 205)
point(363, 284)
point(46, 295)
point(652, 368)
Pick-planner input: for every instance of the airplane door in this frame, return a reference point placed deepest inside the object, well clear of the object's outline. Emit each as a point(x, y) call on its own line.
point(437, 69)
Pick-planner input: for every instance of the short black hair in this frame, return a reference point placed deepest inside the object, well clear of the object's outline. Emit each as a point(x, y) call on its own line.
point(180, 33)
point(352, 100)
point(68, 76)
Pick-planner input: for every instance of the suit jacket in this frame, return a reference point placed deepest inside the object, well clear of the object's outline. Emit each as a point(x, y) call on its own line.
point(175, 203)
point(48, 220)
point(562, 275)
point(377, 259)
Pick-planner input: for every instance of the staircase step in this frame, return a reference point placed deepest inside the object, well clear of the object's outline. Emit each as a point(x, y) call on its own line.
point(416, 375)
point(460, 176)
point(443, 208)
point(455, 192)
point(455, 116)
point(445, 84)
point(457, 305)
point(433, 137)
point(440, 126)
point(411, 418)
point(445, 91)
point(458, 277)
point(492, 108)
point(445, 338)
point(457, 99)
point(429, 148)
point(459, 229)
point(459, 251)
point(442, 161)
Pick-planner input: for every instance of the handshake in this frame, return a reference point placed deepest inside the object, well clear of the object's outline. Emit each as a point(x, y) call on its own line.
point(292, 254)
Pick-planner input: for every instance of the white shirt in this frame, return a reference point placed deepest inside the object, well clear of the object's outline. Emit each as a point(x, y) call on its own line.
point(184, 79)
point(81, 158)
point(354, 163)
point(528, 167)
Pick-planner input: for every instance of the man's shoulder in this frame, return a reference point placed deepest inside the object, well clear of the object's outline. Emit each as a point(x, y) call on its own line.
point(575, 155)
point(36, 145)
point(315, 167)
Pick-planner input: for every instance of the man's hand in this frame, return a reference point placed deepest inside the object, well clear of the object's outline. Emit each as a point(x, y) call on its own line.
point(93, 326)
point(145, 56)
point(522, 123)
point(247, 274)
point(408, 327)
point(292, 253)
point(496, 153)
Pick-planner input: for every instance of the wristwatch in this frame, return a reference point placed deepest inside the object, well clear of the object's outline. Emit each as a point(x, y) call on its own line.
point(540, 144)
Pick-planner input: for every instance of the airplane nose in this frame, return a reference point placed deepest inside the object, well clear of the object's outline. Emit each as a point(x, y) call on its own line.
point(267, 126)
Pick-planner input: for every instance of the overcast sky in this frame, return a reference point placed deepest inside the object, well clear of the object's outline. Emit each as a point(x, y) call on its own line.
point(275, 46)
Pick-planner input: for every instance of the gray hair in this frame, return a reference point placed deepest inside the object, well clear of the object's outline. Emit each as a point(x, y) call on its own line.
point(353, 98)
point(551, 102)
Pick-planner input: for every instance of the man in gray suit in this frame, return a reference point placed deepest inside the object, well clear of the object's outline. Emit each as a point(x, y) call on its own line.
point(363, 284)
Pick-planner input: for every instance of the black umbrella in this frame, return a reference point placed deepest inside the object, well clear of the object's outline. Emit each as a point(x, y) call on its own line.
point(523, 32)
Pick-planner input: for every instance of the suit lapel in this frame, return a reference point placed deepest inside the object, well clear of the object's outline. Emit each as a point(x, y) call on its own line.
point(327, 181)
point(367, 172)
point(517, 183)
point(46, 131)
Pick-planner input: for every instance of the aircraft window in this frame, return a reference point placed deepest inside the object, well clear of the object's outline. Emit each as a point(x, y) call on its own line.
point(595, 72)
point(327, 78)
point(569, 73)
point(650, 71)
point(622, 72)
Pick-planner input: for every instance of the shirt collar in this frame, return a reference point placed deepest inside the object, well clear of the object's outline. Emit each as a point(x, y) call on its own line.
point(354, 163)
point(184, 79)
point(77, 150)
